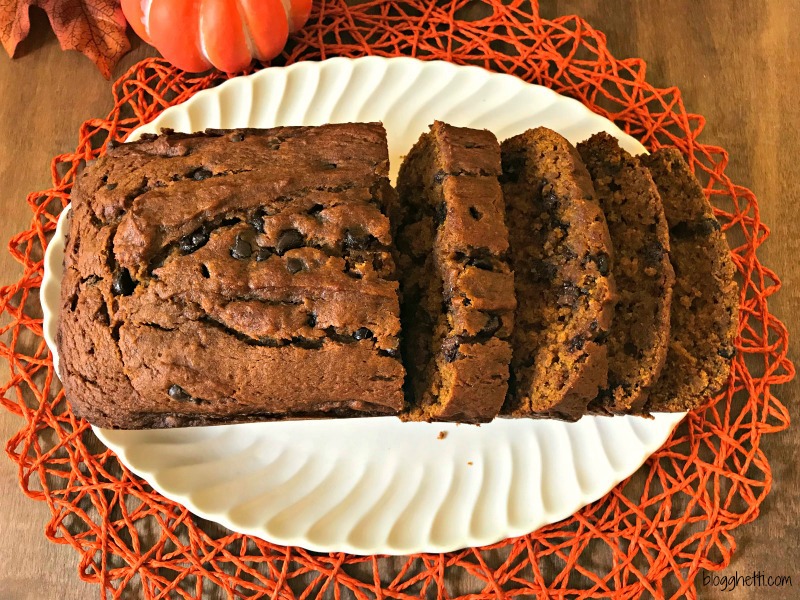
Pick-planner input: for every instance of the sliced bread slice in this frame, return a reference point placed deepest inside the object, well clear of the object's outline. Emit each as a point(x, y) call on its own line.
point(637, 345)
point(457, 286)
point(704, 314)
point(561, 254)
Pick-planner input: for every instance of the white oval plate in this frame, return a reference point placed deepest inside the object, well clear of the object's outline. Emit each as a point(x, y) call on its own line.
point(378, 485)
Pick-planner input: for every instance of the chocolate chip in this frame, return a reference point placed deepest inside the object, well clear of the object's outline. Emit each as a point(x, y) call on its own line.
point(542, 270)
point(567, 252)
point(601, 338)
point(295, 265)
point(569, 294)
point(438, 178)
point(359, 240)
point(263, 254)
point(200, 174)
point(241, 248)
point(111, 186)
point(602, 262)
point(362, 333)
point(450, 348)
point(391, 352)
point(311, 320)
point(493, 323)
point(193, 241)
point(687, 229)
point(122, 284)
point(475, 213)
point(289, 239)
point(550, 200)
point(237, 137)
point(727, 352)
point(328, 166)
point(441, 214)
point(204, 271)
point(708, 225)
point(176, 392)
point(513, 163)
point(577, 343)
point(653, 252)
point(257, 222)
point(316, 209)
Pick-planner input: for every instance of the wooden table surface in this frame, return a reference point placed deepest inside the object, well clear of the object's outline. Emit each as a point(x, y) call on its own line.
point(735, 62)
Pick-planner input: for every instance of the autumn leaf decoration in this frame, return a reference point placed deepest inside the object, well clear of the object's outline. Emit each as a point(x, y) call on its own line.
point(94, 27)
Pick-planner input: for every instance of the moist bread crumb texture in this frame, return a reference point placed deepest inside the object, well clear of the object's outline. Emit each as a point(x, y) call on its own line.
point(704, 314)
point(232, 276)
point(637, 344)
point(562, 257)
point(458, 289)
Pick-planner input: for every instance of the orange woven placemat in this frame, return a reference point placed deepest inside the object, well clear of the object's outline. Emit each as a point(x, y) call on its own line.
point(648, 536)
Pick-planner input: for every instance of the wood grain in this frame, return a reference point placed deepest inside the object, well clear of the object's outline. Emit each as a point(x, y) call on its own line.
point(735, 62)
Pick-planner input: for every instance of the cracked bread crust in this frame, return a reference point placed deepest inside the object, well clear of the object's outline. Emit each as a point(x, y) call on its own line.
point(561, 254)
point(704, 313)
point(638, 341)
point(458, 289)
point(230, 276)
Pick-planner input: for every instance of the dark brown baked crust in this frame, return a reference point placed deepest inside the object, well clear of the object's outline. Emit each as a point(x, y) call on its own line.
point(637, 345)
point(232, 276)
point(458, 290)
point(561, 255)
point(704, 314)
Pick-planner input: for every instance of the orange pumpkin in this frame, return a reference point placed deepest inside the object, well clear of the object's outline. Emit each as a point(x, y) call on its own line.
point(196, 35)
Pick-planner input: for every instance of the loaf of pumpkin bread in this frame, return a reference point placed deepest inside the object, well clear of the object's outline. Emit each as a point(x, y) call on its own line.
point(232, 276)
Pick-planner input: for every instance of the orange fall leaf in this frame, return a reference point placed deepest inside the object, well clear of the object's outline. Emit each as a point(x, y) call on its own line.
point(94, 27)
